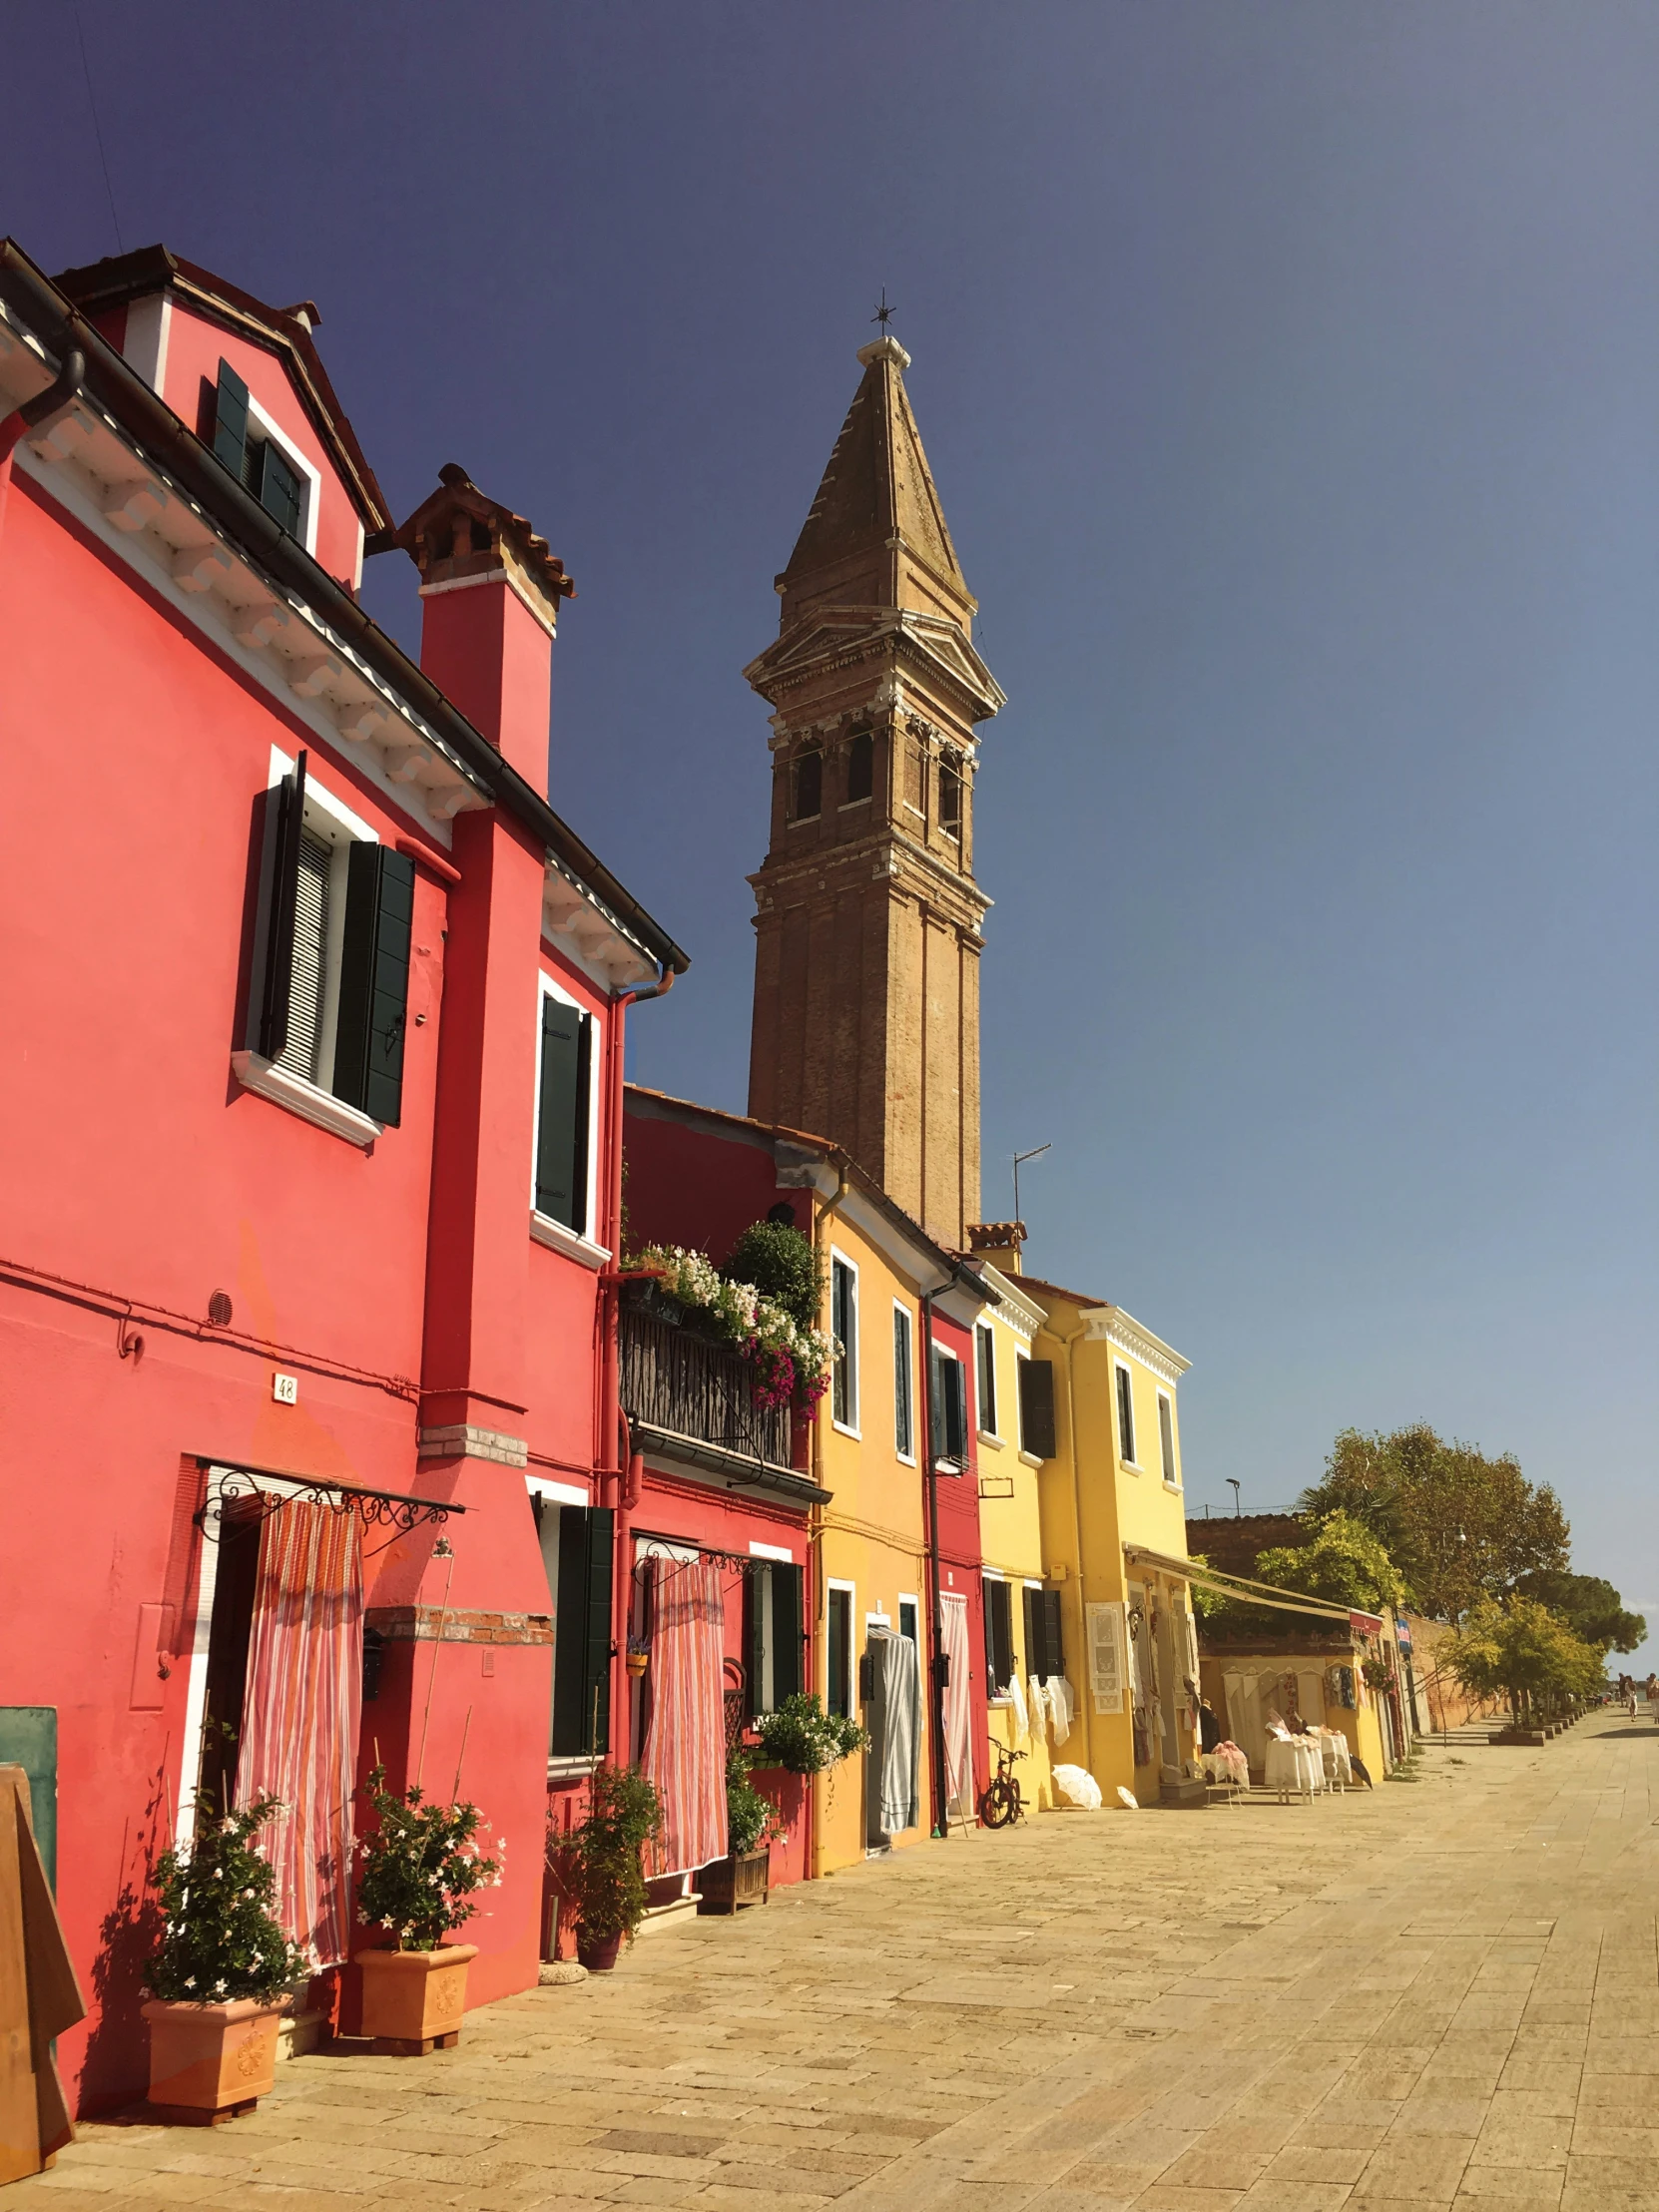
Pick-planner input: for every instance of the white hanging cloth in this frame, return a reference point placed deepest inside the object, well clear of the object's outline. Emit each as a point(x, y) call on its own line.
point(1016, 1698)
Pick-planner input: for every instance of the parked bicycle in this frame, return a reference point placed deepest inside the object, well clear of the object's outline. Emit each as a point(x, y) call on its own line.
point(1000, 1804)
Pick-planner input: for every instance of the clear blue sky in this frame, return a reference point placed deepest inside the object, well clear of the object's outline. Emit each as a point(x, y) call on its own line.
point(1290, 376)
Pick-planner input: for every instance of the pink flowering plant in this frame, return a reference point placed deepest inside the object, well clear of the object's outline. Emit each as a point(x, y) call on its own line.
point(222, 1941)
point(421, 1866)
point(771, 1323)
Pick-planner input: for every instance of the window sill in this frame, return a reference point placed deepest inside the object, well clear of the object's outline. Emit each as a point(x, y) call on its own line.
point(950, 1467)
point(1029, 1459)
point(841, 1429)
point(571, 1770)
point(991, 1436)
point(849, 803)
point(905, 1459)
point(1174, 1488)
point(283, 1088)
point(558, 1238)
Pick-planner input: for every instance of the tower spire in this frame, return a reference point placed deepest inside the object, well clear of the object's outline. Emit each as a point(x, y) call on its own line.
point(867, 921)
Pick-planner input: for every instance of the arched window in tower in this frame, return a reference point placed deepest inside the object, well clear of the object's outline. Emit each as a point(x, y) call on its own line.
point(860, 766)
point(807, 786)
point(951, 796)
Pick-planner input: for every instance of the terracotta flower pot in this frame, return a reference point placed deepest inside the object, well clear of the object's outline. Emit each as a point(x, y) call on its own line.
point(598, 1953)
point(209, 2062)
point(413, 2000)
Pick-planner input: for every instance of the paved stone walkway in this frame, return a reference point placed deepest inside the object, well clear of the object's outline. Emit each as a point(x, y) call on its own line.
point(1443, 1991)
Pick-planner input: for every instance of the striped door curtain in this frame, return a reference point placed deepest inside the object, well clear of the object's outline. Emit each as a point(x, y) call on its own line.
point(301, 1713)
point(685, 1741)
point(959, 1745)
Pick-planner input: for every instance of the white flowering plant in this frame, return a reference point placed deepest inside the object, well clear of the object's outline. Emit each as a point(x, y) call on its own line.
point(421, 1866)
point(222, 1941)
point(790, 1358)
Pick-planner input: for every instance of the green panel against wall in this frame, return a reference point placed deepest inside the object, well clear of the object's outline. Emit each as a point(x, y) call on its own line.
point(29, 1739)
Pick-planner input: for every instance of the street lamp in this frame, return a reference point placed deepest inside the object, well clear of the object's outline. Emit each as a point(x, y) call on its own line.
point(1233, 1484)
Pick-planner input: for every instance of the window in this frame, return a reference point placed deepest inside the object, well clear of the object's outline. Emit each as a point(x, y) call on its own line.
point(1044, 1654)
point(1000, 1637)
point(806, 786)
point(771, 1627)
point(984, 1346)
point(1166, 1438)
point(562, 1113)
point(949, 1410)
point(861, 768)
point(838, 1688)
point(576, 1544)
point(255, 458)
point(1126, 1417)
point(1036, 1408)
point(329, 989)
point(843, 1327)
point(903, 1384)
point(909, 1620)
point(950, 797)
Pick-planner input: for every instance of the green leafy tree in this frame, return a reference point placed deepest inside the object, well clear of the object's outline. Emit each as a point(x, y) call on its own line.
point(1344, 1562)
point(1591, 1607)
point(783, 1266)
point(1525, 1652)
point(222, 1940)
point(421, 1866)
point(1458, 1525)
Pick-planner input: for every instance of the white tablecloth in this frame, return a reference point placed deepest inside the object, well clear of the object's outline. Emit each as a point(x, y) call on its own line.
point(1338, 1761)
point(1217, 1765)
point(1293, 1766)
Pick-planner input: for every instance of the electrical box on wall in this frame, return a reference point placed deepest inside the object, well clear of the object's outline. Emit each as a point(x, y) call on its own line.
point(285, 1389)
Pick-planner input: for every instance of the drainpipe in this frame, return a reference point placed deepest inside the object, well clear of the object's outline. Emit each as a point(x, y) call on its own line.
point(935, 1609)
point(1083, 1703)
point(814, 1546)
point(64, 388)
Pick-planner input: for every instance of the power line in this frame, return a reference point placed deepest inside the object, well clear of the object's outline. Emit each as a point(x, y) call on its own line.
point(98, 130)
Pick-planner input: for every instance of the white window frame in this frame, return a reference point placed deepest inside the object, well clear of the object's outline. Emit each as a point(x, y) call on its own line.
point(557, 1238)
point(832, 1582)
point(1172, 1475)
point(1125, 1459)
point(327, 816)
point(1005, 1699)
point(943, 1465)
point(849, 1427)
point(909, 1598)
point(905, 1459)
point(993, 1435)
point(309, 476)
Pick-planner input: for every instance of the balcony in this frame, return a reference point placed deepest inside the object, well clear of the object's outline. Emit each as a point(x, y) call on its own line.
point(693, 1400)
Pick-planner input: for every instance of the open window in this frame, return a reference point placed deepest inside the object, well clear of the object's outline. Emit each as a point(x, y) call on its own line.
point(861, 768)
point(773, 1594)
point(951, 796)
point(807, 785)
point(950, 1422)
point(999, 1636)
point(564, 1114)
point(252, 448)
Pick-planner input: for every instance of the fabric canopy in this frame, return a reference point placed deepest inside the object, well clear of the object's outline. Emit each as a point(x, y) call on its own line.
point(685, 1741)
point(958, 1743)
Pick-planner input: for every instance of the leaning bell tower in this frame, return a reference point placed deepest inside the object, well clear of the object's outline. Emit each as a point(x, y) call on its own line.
point(868, 916)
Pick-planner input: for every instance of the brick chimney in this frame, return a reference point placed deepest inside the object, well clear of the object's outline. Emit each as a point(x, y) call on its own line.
point(491, 593)
point(998, 1242)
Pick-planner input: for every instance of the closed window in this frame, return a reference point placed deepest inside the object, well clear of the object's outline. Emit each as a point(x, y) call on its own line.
point(861, 768)
point(1000, 1637)
point(903, 1384)
point(950, 1410)
point(1036, 1408)
point(1126, 1417)
point(563, 1113)
point(909, 1620)
point(1044, 1655)
point(837, 1639)
point(1166, 1437)
point(984, 1346)
point(330, 989)
point(255, 458)
point(771, 1598)
point(806, 786)
point(576, 1546)
point(843, 1327)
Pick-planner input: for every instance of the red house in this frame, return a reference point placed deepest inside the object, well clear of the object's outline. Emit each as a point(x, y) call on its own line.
point(312, 1122)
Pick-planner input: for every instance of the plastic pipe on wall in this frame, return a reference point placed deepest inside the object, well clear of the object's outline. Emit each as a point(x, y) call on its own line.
point(62, 389)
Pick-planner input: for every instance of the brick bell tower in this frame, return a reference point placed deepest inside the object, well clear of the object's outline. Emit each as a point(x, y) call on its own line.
point(868, 920)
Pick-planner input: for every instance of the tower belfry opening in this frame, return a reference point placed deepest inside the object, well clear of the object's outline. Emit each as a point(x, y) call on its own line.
point(868, 916)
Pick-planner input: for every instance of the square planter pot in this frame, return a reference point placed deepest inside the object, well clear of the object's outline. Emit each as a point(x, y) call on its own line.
point(413, 2000)
point(739, 1878)
point(210, 2062)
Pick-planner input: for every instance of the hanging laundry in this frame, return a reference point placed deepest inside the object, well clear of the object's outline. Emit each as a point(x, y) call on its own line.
point(1016, 1698)
point(1039, 1708)
point(1062, 1707)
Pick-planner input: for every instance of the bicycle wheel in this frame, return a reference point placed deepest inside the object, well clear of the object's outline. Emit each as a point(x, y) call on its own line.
point(1001, 1803)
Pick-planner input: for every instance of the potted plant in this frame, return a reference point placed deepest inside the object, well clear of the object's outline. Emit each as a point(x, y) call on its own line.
point(804, 1739)
point(624, 1812)
point(752, 1822)
point(218, 1981)
point(419, 1870)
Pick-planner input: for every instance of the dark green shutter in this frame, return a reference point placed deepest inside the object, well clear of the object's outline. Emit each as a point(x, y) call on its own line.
point(1054, 1658)
point(278, 492)
point(582, 1633)
point(231, 421)
point(949, 1409)
point(281, 889)
point(374, 982)
point(562, 1129)
point(1033, 1631)
point(753, 1654)
point(596, 1698)
point(1036, 1408)
point(999, 1640)
point(787, 1670)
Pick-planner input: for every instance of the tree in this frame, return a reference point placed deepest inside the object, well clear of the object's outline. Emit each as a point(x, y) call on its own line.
point(1458, 1525)
point(1591, 1607)
point(1342, 1562)
point(1525, 1651)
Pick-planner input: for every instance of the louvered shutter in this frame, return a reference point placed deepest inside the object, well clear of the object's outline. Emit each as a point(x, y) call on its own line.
point(562, 1128)
point(284, 820)
point(309, 980)
point(1054, 1657)
point(596, 1700)
point(999, 1652)
point(754, 1642)
point(787, 1670)
point(278, 492)
point(582, 1633)
point(1036, 1408)
point(231, 421)
point(1033, 1630)
point(955, 1410)
point(374, 982)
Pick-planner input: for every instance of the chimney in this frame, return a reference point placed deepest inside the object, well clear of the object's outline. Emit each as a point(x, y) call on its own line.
point(998, 1242)
point(491, 593)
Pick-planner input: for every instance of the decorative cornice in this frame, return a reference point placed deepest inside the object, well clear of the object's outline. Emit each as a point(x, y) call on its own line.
point(1111, 1325)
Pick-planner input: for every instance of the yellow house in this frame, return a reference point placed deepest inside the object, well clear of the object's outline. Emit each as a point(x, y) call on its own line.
point(1100, 1416)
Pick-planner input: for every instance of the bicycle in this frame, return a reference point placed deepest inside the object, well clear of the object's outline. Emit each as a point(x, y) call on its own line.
point(1000, 1804)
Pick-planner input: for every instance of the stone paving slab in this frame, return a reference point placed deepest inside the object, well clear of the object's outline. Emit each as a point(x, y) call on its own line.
point(1422, 1996)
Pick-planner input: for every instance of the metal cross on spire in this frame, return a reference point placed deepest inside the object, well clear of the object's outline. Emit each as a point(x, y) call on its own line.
point(884, 313)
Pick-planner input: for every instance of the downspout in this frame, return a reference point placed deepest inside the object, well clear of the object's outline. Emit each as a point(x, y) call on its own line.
point(64, 388)
point(936, 1659)
point(623, 1481)
point(1083, 1704)
point(815, 1547)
